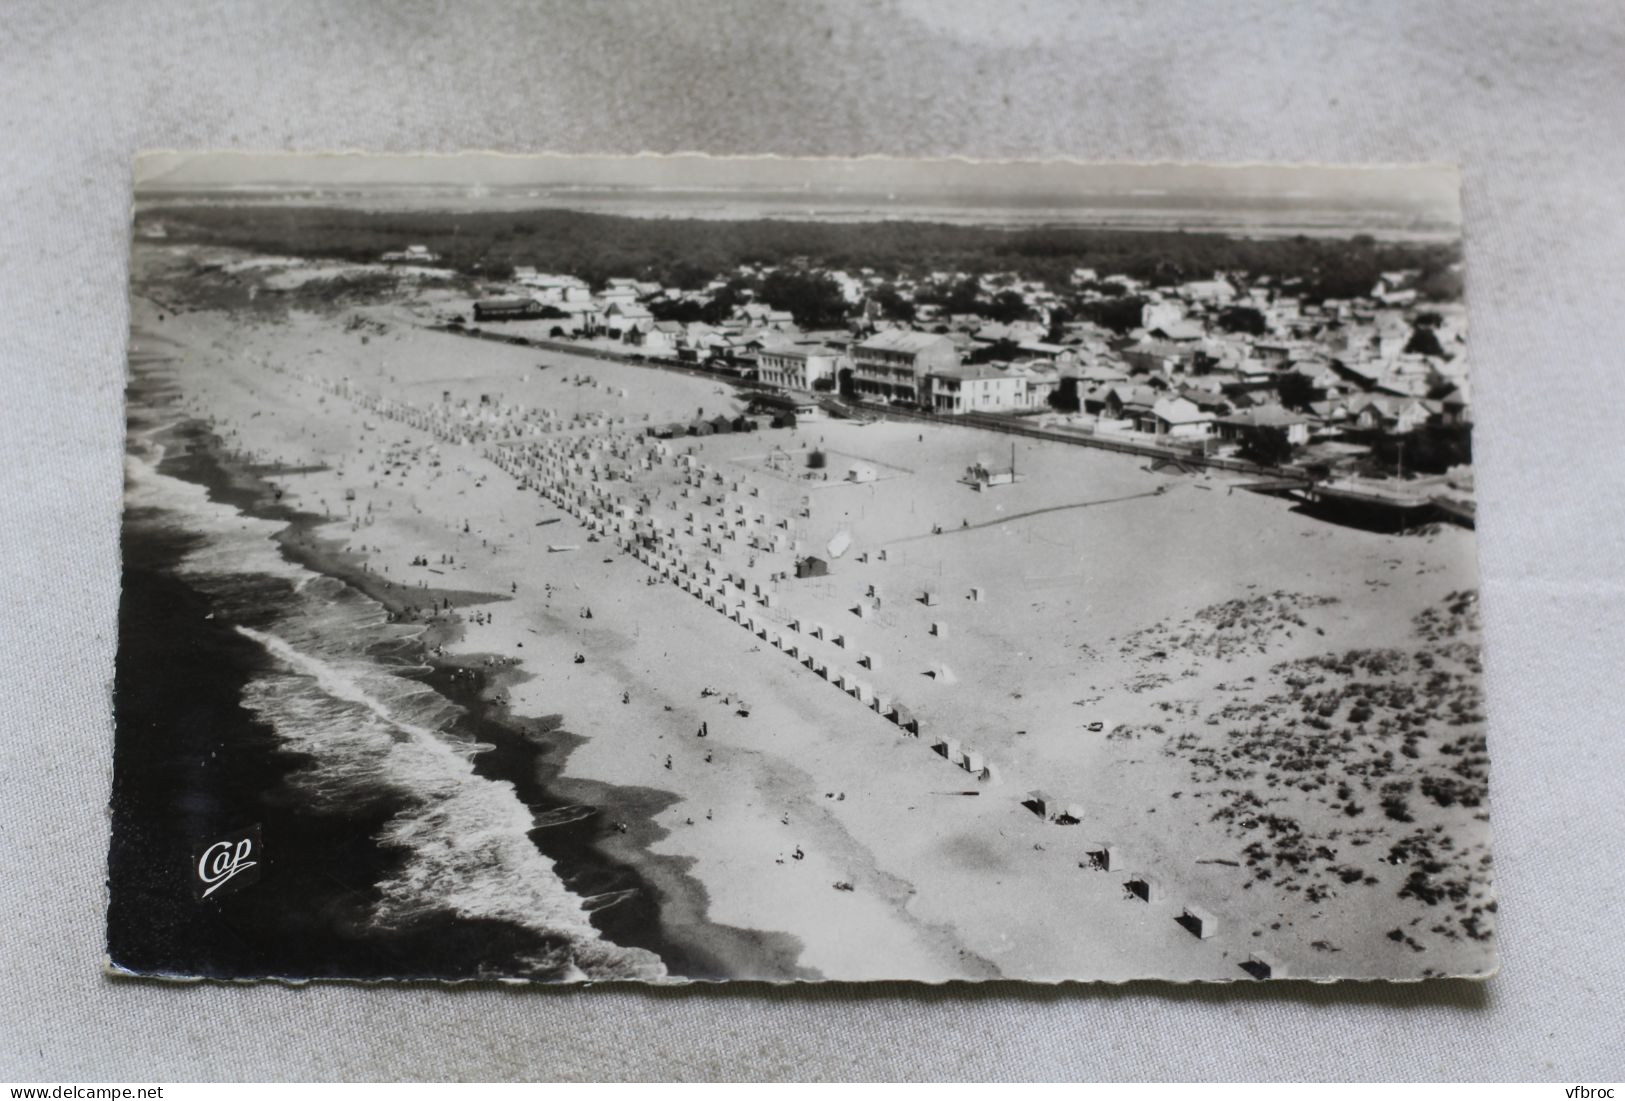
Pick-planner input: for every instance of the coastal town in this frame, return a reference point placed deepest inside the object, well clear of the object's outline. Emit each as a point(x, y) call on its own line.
point(1225, 367)
point(802, 620)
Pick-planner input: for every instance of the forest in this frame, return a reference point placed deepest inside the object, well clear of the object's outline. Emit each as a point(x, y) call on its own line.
point(689, 253)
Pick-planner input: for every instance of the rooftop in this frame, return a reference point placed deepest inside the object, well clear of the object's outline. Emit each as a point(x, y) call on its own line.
point(904, 340)
point(802, 351)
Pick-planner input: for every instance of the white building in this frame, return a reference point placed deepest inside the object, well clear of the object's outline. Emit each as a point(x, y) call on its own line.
point(797, 366)
point(990, 388)
point(552, 289)
point(411, 254)
point(1157, 315)
point(1178, 418)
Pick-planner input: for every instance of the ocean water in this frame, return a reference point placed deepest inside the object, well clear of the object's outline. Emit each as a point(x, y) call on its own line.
point(252, 690)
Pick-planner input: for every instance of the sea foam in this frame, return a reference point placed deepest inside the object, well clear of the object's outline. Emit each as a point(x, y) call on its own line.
point(369, 730)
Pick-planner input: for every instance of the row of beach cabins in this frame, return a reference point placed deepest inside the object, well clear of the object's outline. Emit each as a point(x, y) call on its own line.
point(717, 509)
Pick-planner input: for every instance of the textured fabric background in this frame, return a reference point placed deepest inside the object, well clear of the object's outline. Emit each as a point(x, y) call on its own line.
point(1527, 98)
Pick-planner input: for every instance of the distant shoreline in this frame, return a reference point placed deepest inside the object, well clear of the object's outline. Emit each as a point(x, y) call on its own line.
point(1196, 219)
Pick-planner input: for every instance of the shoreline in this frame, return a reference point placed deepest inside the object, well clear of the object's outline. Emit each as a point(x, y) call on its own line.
point(528, 752)
point(218, 766)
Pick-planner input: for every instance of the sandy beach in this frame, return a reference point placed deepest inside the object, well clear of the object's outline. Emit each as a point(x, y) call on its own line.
point(1180, 666)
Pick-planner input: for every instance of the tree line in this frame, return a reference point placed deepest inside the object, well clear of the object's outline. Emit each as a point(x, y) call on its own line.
point(690, 253)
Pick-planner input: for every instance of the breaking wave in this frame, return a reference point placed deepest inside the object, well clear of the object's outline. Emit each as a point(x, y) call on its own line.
point(339, 691)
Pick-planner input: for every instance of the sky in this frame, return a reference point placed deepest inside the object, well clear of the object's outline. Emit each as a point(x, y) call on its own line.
point(1429, 189)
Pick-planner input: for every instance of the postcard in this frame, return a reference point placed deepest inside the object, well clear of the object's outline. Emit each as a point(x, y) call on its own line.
point(680, 568)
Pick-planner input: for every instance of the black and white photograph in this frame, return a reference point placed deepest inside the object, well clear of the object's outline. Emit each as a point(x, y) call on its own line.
point(686, 569)
point(934, 542)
